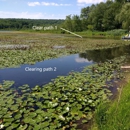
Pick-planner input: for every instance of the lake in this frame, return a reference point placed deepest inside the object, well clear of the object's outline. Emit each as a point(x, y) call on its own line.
point(43, 72)
point(32, 74)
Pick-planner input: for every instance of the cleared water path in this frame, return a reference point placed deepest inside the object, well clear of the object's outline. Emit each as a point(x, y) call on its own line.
point(42, 72)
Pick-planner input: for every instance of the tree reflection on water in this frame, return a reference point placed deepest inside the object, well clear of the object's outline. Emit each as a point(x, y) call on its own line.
point(102, 55)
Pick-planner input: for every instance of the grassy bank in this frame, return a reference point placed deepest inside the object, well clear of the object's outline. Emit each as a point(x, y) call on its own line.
point(114, 115)
point(116, 33)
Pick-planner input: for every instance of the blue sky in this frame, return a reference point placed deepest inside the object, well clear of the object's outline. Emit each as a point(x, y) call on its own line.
point(42, 9)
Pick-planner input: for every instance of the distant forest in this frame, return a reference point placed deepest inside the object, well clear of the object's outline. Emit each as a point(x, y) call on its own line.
point(19, 24)
point(109, 15)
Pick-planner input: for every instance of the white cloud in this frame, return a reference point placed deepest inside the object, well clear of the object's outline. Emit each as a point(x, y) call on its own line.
point(46, 4)
point(90, 1)
point(33, 3)
point(81, 60)
point(81, 5)
point(29, 15)
point(20, 15)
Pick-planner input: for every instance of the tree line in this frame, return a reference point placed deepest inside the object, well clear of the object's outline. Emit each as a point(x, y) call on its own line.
point(18, 24)
point(109, 15)
point(102, 17)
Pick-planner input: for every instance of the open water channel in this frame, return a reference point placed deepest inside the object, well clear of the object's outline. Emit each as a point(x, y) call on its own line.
point(43, 72)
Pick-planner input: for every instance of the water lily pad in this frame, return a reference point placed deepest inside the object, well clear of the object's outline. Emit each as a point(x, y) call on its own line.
point(44, 125)
point(22, 127)
point(14, 107)
point(32, 114)
point(18, 116)
point(37, 127)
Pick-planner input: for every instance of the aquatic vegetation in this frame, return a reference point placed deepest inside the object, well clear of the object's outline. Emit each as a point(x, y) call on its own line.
point(60, 103)
point(65, 100)
point(14, 47)
point(45, 46)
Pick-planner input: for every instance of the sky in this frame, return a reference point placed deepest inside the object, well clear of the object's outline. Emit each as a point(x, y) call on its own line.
point(43, 9)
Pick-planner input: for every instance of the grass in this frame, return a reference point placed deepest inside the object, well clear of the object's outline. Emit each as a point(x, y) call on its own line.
point(117, 33)
point(114, 115)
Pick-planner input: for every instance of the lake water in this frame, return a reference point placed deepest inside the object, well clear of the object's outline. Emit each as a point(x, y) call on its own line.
point(42, 72)
point(5, 31)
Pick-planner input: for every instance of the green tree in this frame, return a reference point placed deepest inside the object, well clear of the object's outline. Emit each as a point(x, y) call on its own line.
point(76, 23)
point(109, 21)
point(68, 23)
point(87, 16)
point(97, 16)
point(103, 16)
point(84, 23)
point(90, 27)
point(85, 12)
point(124, 15)
point(121, 1)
